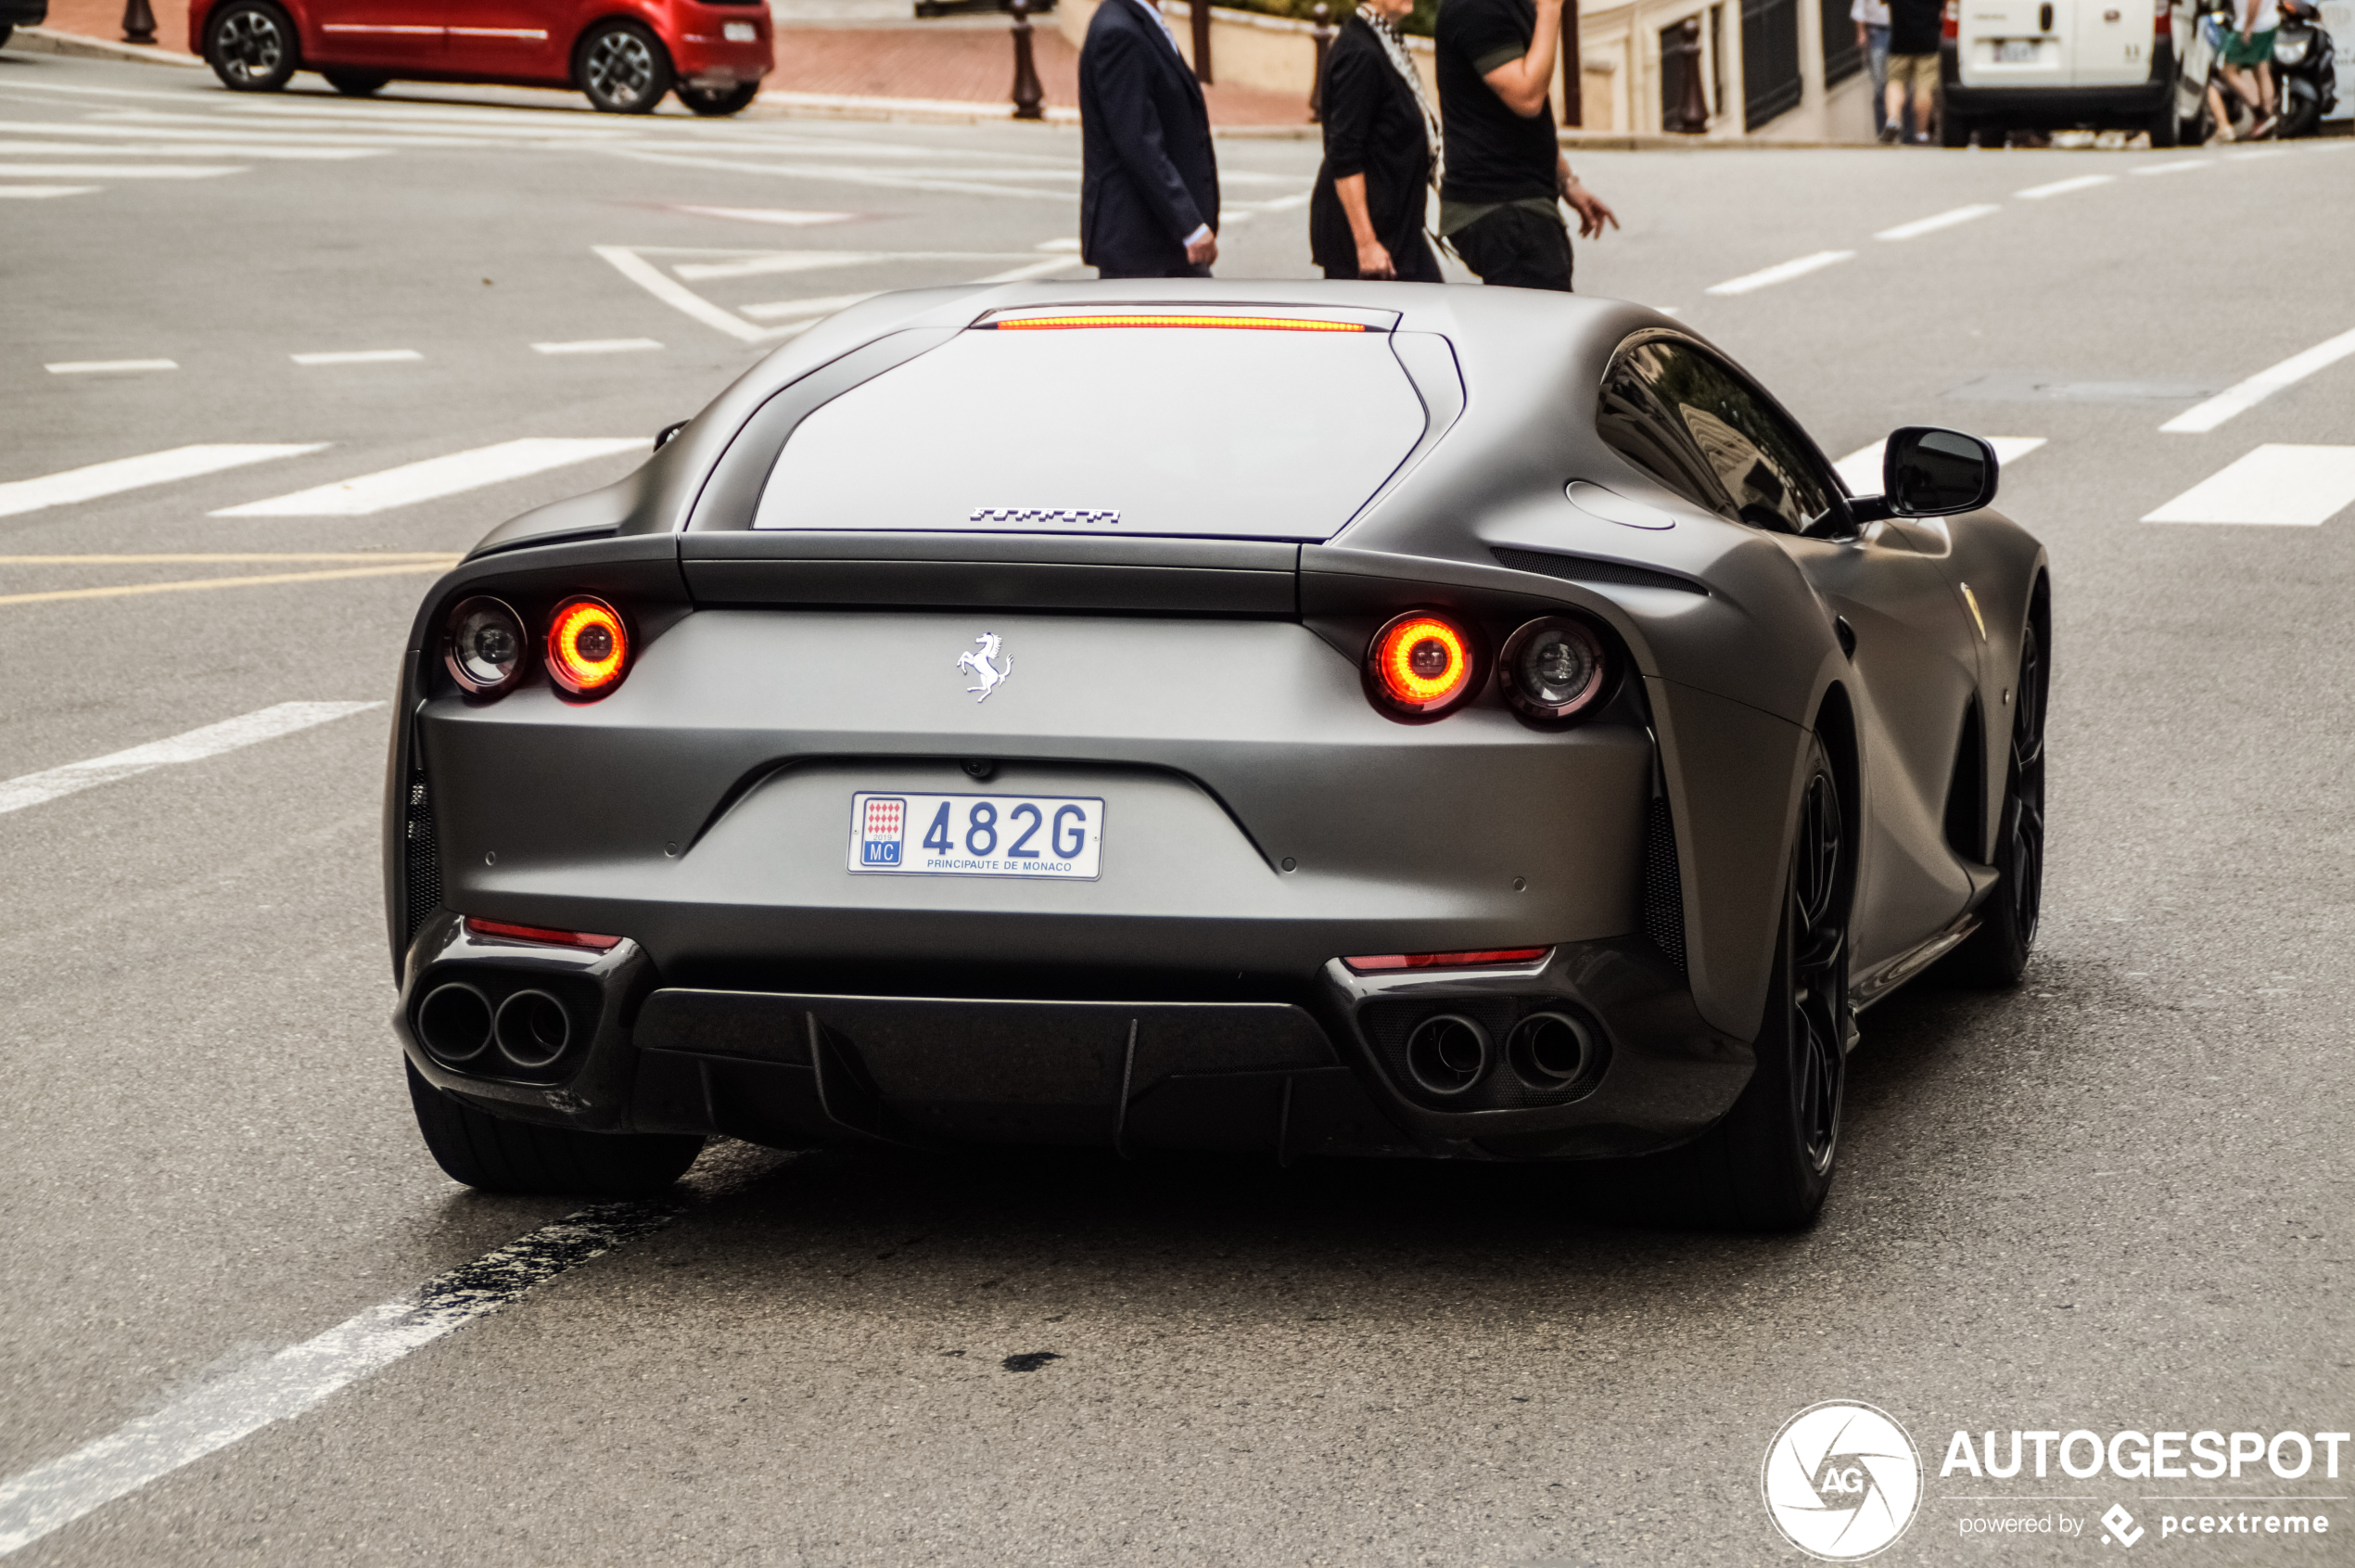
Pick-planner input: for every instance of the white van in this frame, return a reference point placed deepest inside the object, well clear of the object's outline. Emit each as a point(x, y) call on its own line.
point(2056, 65)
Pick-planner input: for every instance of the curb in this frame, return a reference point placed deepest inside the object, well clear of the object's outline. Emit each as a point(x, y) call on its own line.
point(49, 40)
point(916, 111)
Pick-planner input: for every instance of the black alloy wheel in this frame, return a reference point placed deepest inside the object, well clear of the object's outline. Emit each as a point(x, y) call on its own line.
point(356, 83)
point(714, 102)
point(251, 46)
point(622, 67)
point(495, 1154)
point(1996, 954)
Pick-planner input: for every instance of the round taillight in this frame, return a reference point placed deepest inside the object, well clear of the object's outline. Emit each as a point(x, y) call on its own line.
point(483, 650)
point(1421, 665)
point(1552, 668)
point(588, 647)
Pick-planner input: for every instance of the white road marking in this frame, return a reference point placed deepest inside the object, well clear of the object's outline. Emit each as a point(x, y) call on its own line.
point(2177, 167)
point(1031, 270)
point(1862, 470)
point(437, 477)
point(770, 215)
point(2290, 486)
point(1783, 272)
point(201, 584)
point(35, 193)
point(2062, 187)
point(2258, 388)
point(86, 367)
point(190, 150)
point(51, 1496)
point(264, 724)
point(1942, 221)
point(1069, 245)
point(798, 310)
point(767, 262)
point(2255, 153)
point(134, 473)
point(677, 294)
point(358, 356)
point(597, 346)
point(853, 174)
point(112, 170)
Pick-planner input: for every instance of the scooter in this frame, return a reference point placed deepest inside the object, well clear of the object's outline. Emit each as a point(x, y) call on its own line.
point(2305, 75)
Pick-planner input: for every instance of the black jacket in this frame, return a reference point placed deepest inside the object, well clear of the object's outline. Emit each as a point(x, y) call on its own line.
point(1372, 127)
point(1148, 178)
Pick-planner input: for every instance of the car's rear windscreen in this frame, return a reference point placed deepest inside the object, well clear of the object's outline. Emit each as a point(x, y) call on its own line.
point(1221, 430)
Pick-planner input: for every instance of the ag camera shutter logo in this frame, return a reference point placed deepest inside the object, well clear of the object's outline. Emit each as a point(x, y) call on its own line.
point(1841, 1481)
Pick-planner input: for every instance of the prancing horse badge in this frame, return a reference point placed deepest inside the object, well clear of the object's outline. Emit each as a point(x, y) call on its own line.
point(985, 664)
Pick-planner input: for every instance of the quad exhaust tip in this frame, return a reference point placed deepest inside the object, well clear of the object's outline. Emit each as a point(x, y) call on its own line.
point(1552, 1051)
point(453, 1022)
point(532, 1030)
point(1449, 1053)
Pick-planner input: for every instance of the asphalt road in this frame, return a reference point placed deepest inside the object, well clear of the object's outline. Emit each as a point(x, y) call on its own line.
point(2115, 1200)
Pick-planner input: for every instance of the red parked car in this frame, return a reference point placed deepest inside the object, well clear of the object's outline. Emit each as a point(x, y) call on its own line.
point(624, 54)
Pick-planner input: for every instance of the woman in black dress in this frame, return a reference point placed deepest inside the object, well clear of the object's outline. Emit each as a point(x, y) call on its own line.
point(1381, 152)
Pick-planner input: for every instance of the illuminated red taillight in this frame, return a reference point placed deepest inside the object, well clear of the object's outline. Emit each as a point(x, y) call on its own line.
point(1421, 665)
point(537, 934)
point(588, 647)
point(1950, 25)
point(2163, 23)
point(1481, 959)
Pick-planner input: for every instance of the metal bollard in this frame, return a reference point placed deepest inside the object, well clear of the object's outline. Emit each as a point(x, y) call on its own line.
point(1028, 96)
point(138, 22)
point(1321, 30)
point(1690, 117)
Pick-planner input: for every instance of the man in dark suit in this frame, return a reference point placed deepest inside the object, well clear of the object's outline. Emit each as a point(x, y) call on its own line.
point(1149, 180)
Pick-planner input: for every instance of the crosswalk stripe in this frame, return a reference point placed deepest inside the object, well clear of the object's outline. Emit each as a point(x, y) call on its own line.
point(358, 356)
point(269, 724)
point(35, 193)
point(2291, 486)
point(191, 585)
point(770, 215)
point(134, 473)
point(437, 477)
point(775, 262)
point(2258, 388)
point(795, 310)
point(597, 346)
point(1780, 273)
point(1861, 468)
point(187, 149)
point(112, 170)
point(88, 367)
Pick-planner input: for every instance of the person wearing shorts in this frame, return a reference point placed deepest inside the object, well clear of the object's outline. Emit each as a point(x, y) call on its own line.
point(2250, 49)
point(1914, 29)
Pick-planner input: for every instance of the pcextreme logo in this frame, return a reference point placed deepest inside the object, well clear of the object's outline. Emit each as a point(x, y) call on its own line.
point(1841, 1481)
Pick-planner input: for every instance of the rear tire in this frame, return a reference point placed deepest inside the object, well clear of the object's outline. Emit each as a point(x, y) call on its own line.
point(714, 102)
point(252, 46)
point(493, 1154)
point(1995, 956)
point(2162, 124)
point(356, 83)
point(622, 67)
point(7, 30)
point(1953, 131)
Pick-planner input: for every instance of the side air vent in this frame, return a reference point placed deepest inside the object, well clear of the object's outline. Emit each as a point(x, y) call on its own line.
point(1585, 568)
point(1663, 886)
point(421, 862)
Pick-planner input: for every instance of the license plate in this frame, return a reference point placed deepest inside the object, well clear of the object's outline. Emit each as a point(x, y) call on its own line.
point(976, 834)
point(2016, 51)
point(738, 32)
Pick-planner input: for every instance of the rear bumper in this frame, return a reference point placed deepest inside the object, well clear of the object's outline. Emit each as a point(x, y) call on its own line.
point(704, 58)
point(1319, 1071)
point(2126, 107)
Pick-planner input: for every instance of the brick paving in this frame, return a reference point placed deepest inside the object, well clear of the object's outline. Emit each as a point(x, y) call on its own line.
point(102, 18)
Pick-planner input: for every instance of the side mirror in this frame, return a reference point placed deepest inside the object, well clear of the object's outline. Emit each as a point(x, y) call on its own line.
point(1928, 472)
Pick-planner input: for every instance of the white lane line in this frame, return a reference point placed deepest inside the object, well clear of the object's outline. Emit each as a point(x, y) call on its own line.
point(2062, 187)
point(358, 356)
point(111, 171)
point(2177, 167)
point(769, 215)
point(51, 1496)
point(88, 367)
point(2258, 388)
point(35, 192)
point(1942, 221)
point(2255, 153)
point(1861, 469)
point(189, 149)
point(264, 724)
point(134, 473)
point(1035, 269)
point(850, 174)
point(2291, 486)
point(775, 262)
point(1781, 273)
point(437, 477)
point(1071, 245)
point(677, 294)
point(796, 310)
point(597, 346)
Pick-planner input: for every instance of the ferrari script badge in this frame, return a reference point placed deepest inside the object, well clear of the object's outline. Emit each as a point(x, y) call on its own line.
point(985, 664)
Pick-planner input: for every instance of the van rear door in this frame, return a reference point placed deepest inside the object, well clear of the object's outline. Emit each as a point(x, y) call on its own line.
point(2113, 41)
point(2015, 43)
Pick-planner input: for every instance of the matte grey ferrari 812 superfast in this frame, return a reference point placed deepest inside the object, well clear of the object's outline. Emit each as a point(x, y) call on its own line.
point(1300, 718)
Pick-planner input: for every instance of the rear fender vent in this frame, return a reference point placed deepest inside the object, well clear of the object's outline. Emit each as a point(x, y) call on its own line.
point(421, 857)
point(1967, 791)
point(1585, 568)
point(1664, 885)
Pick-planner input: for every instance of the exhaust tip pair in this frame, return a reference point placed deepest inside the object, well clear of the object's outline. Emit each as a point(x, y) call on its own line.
point(1550, 1052)
point(458, 1025)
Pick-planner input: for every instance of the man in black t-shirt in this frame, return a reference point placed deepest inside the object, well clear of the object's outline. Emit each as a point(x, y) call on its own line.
point(1503, 168)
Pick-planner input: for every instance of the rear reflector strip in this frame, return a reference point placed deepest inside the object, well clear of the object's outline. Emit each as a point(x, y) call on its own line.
point(537, 934)
point(1448, 961)
point(1245, 323)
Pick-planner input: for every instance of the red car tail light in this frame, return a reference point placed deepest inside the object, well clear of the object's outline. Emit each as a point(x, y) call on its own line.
point(1950, 23)
point(483, 646)
point(1485, 958)
point(588, 647)
point(1552, 668)
point(539, 933)
point(1421, 666)
point(2163, 23)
